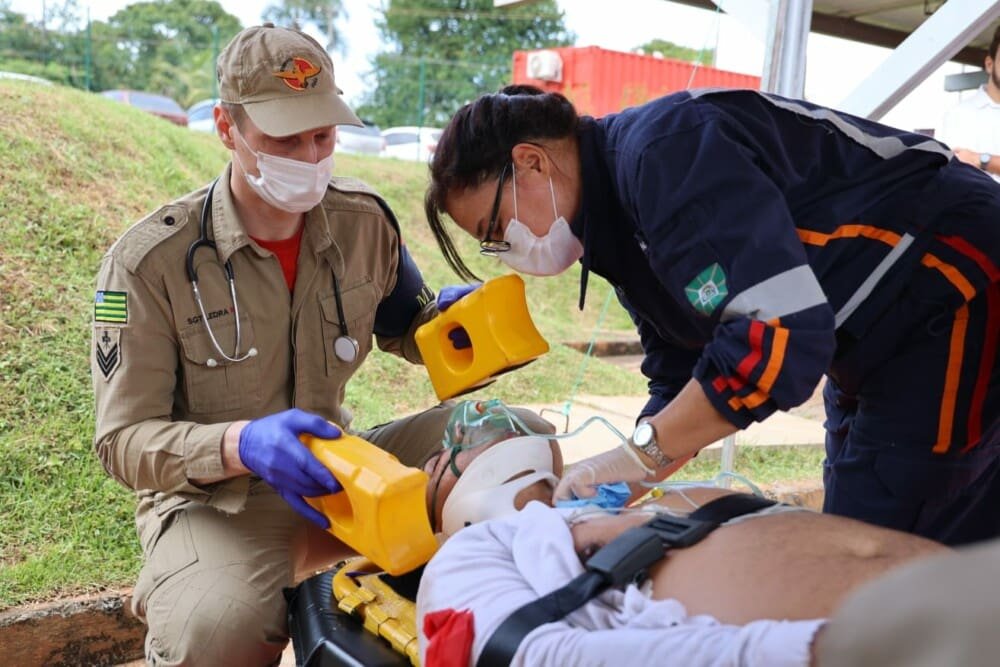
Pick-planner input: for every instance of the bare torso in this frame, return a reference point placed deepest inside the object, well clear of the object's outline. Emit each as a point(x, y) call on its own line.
point(792, 565)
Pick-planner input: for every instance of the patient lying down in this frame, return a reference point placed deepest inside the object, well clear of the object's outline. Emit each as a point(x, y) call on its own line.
point(753, 592)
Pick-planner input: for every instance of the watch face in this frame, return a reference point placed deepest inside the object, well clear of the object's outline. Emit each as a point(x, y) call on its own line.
point(643, 434)
point(984, 159)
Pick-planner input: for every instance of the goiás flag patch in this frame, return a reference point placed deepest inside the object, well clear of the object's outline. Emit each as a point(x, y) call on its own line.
point(111, 307)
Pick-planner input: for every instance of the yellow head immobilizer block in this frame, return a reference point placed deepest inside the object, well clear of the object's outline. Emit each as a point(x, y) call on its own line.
point(498, 324)
point(382, 511)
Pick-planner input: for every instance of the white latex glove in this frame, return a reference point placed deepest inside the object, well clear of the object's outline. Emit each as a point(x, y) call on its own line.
point(621, 464)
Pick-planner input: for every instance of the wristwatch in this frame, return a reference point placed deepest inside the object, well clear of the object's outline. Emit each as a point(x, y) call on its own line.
point(644, 439)
point(984, 160)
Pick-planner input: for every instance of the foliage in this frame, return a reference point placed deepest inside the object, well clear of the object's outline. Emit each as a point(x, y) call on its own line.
point(300, 13)
point(164, 46)
point(161, 46)
point(665, 49)
point(443, 53)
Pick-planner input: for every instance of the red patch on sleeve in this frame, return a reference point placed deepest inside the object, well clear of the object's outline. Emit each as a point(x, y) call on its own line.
point(449, 638)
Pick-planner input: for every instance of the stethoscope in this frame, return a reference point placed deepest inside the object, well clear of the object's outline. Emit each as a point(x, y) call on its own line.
point(344, 347)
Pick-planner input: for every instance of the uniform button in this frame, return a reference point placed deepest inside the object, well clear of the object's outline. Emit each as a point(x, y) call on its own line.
point(169, 220)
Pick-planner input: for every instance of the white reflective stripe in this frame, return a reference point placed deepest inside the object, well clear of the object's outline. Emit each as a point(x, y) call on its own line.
point(884, 147)
point(789, 292)
point(868, 286)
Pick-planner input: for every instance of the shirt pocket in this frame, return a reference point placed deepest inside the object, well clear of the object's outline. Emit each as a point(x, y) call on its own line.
point(213, 384)
point(359, 303)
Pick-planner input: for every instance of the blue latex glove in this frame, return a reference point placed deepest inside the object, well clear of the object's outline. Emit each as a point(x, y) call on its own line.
point(448, 296)
point(452, 293)
point(608, 496)
point(270, 447)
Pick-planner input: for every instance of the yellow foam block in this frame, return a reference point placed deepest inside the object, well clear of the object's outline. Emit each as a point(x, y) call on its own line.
point(382, 511)
point(498, 324)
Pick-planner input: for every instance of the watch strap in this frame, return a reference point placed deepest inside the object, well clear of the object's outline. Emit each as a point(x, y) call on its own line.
point(651, 448)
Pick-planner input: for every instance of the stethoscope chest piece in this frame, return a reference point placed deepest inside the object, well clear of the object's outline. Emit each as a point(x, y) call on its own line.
point(346, 348)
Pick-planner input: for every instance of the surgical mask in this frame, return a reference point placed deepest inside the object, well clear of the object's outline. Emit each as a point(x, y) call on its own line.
point(547, 255)
point(286, 184)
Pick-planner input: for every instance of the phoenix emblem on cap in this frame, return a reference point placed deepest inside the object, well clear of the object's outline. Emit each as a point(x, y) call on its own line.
point(298, 73)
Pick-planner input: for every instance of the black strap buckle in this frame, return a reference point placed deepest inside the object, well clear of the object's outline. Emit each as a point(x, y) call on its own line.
point(627, 558)
point(679, 532)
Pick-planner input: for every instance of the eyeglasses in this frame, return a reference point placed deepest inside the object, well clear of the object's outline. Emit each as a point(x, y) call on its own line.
point(490, 246)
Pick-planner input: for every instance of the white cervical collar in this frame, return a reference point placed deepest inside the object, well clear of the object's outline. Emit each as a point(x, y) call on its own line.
point(486, 490)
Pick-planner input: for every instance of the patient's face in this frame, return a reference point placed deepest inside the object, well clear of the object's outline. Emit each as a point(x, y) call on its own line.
point(443, 478)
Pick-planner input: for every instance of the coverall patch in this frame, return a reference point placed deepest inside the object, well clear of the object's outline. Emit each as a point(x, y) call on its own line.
point(707, 290)
point(111, 307)
point(107, 350)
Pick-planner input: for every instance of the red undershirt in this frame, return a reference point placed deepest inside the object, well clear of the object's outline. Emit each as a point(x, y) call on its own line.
point(287, 252)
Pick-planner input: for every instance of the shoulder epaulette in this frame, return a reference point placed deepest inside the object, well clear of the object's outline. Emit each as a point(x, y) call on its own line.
point(148, 233)
point(347, 185)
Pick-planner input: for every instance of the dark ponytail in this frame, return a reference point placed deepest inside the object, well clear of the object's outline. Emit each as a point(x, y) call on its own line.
point(476, 144)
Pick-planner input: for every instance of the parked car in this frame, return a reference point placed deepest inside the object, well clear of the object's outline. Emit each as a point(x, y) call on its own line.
point(411, 143)
point(158, 105)
point(200, 115)
point(365, 140)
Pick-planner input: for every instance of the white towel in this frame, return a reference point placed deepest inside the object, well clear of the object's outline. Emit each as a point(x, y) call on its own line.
point(496, 567)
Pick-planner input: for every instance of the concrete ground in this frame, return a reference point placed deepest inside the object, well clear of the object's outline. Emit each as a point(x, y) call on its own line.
point(782, 429)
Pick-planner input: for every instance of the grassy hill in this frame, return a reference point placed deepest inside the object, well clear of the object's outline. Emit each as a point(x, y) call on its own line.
point(77, 170)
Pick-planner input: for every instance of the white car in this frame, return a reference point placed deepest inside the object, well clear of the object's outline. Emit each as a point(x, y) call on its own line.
point(411, 143)
point(365, 140)
point(200, 115)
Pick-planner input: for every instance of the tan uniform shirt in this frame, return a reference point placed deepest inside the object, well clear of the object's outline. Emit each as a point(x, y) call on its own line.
point(162, 403)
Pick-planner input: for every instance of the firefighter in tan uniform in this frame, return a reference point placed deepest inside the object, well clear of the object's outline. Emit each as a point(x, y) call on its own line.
point(226, 324)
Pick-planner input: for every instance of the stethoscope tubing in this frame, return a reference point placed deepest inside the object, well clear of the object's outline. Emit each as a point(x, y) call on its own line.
point(345, 347)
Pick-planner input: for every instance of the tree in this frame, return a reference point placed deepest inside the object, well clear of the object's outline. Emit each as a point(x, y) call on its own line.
point(665, 49)
point(443, 53)
point(324, 15)
point(164, 46)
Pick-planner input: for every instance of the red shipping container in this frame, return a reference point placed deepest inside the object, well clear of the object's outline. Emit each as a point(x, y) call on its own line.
point(599, 81)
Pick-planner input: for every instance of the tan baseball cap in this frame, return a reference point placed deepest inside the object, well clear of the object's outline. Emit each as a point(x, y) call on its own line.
point(284, 80)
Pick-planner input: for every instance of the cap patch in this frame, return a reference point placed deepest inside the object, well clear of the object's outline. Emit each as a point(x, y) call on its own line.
point(298, 74)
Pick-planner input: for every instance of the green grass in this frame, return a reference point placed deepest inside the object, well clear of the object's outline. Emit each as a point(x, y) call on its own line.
point(762, 465)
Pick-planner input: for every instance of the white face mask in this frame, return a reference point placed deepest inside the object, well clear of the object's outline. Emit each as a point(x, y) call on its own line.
point(547, 255)
point(286, 184)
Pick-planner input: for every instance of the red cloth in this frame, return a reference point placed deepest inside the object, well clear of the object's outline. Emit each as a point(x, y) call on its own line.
point(287, 252)
point(449, 638)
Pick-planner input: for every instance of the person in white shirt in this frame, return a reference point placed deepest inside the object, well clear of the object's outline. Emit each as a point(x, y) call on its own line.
point(972, 128)
point(755, 592)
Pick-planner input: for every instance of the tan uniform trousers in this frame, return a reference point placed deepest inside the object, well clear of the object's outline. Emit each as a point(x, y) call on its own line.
point(210, 590)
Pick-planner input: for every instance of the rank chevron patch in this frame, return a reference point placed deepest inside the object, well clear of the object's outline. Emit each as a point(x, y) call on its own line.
point(107, 350)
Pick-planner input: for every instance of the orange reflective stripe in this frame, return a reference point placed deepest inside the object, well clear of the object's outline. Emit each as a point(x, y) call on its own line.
point(849, 232)
point(951, 378)
point(953, 275)
point(778, 346)
point(770, 374)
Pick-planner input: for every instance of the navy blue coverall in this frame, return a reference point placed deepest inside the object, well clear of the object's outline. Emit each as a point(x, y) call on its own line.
point(759, 242)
